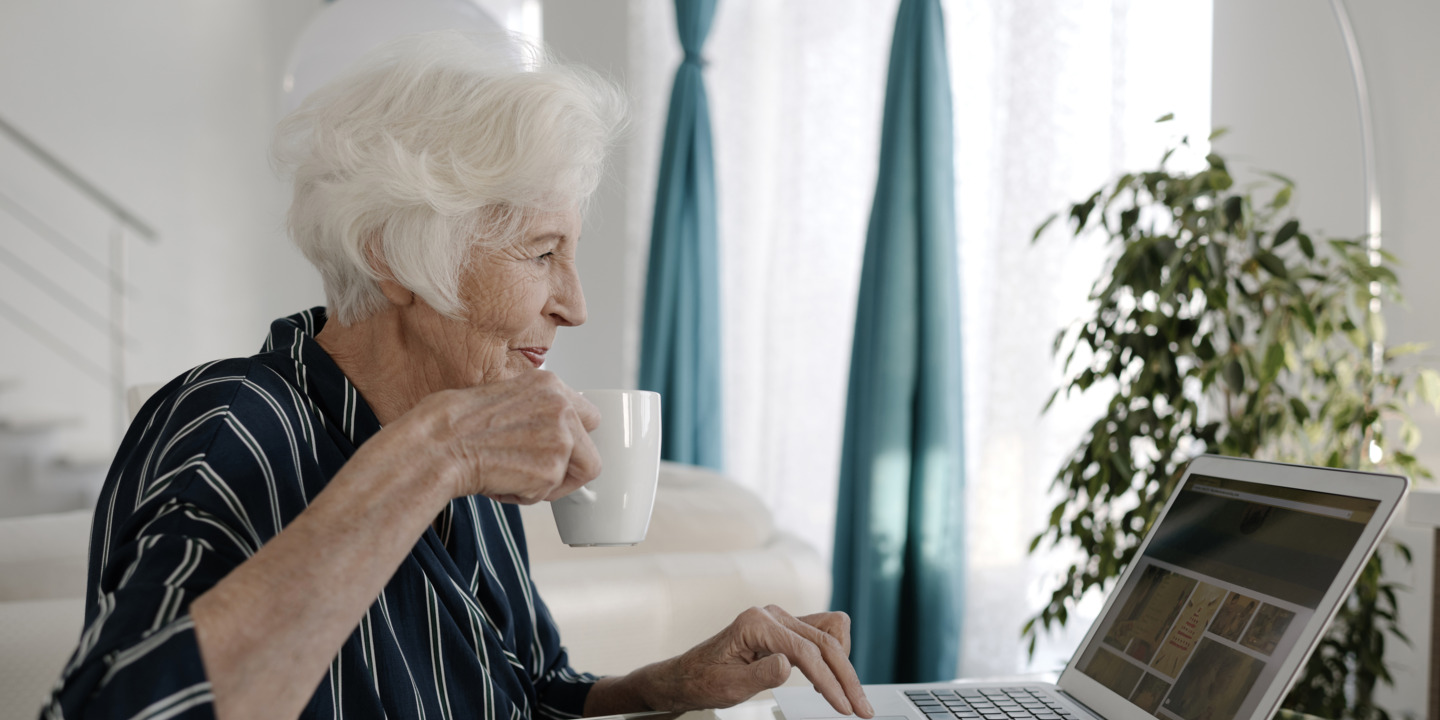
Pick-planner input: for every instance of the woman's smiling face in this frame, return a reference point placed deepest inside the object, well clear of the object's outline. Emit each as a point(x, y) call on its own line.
point(515, 299)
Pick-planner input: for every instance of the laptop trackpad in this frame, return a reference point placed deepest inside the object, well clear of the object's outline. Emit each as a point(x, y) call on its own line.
point(852, 717)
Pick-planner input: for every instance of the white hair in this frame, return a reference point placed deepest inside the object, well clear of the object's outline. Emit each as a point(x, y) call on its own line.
point(436, 144)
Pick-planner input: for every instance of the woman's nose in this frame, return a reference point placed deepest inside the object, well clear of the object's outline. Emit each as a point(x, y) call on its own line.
point(567, 302)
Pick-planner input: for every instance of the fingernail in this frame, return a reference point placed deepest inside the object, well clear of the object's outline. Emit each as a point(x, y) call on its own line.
point(866, 707)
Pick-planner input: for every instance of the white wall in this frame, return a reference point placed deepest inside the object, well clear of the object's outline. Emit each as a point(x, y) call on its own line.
point(168, 106)
point(1282, 84)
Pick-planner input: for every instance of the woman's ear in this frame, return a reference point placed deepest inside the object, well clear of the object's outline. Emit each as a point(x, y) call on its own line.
point(397, 294)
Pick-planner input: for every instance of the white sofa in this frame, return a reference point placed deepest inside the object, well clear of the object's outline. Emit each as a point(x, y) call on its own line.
point(712, 551)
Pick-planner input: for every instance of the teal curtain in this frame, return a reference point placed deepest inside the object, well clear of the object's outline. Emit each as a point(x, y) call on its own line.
point(680, 345)
point(899, 559)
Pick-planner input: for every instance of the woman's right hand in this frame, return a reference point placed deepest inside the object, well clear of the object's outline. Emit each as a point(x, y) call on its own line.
point(520, 440)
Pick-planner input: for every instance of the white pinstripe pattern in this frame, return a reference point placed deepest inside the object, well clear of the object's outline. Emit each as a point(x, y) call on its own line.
point(521, 568)
point(389, 625)
point(177, 703)
point(124, 658)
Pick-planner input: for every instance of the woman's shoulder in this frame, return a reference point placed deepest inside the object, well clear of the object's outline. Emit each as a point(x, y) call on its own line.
point(238, 424)
point(211, 402)
point(218, 387)
point(282, 387)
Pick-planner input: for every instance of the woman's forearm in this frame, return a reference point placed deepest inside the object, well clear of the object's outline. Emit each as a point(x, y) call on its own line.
point(269, 629)
point(625, 693)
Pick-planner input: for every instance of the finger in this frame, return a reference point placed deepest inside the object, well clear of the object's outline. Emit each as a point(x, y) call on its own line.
point(776, 638)
point(835, 624)
point(589, 414)
point(834, 653)
point(585, 463)
point(571, 484)
point(771, 672)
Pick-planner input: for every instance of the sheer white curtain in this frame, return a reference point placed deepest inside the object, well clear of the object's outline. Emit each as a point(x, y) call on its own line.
point(1051, 98)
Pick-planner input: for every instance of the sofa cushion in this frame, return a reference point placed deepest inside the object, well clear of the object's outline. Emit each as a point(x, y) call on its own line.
point(36, 638)
point(619, 614)
point(44, 556)
point(696, 510)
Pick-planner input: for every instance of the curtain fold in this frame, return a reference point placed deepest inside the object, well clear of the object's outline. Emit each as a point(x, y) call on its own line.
point(899, 557)
point(680, 341)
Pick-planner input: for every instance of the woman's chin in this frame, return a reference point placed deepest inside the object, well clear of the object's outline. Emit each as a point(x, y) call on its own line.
point(509, 371)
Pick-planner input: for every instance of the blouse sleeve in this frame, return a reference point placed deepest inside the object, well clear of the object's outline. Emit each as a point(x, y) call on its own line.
point(168, 527)
point(138, 656)
point(562, 691)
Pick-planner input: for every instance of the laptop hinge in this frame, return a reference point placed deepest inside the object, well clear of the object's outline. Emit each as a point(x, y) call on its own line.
point(1088, 710)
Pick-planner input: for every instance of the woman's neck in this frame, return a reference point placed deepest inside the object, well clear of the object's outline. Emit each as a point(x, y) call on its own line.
point(375, 357)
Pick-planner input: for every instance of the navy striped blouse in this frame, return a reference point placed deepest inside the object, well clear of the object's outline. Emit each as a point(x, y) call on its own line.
point(216, 463)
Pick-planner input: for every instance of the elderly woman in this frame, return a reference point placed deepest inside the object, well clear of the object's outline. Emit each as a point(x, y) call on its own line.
point(328, 528)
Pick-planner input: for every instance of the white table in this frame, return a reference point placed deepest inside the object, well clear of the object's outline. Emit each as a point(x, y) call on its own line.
point(760, 707)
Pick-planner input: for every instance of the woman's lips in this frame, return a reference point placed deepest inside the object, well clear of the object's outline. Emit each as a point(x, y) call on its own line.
point(535, 355)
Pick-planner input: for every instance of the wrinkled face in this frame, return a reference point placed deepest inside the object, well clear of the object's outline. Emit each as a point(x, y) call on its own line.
point(516, 299)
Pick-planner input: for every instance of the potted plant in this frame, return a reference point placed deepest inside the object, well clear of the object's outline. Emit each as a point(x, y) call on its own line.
point(1222, 326)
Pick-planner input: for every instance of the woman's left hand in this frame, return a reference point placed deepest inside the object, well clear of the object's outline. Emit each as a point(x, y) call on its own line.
point(755, 653)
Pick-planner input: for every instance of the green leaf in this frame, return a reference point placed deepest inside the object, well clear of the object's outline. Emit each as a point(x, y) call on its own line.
point(1274, 360)
point(1307, 315)
point(1306, 246)
point(1428, 383)
point(1053, 395)
point(1234, 209)
point(1220, 180)
point(1292, 357)
point(1285, 232)
point(1080, 212)
point(1205, 350)
point(1041, 230)
point(1272, 264)
point(1235, 375)
point(1128, 218)
point(1299, 410)
point(1398, 351)
point(1218, 133)
point(1282, 198)
point(1167, 117)
point(1409, 434)
point(1057, 514)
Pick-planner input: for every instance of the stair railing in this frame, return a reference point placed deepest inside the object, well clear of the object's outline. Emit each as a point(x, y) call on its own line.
point(114, 273)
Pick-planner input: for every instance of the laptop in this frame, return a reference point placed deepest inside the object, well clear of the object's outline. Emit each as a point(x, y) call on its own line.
point(1228, 595)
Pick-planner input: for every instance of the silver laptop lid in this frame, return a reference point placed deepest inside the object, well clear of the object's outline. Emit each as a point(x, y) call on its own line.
point(1231, 590)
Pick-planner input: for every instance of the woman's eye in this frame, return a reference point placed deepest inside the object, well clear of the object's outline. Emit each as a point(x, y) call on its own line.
point(544, 258)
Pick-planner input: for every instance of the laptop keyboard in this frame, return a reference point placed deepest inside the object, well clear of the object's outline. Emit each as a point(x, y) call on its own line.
point(989, 704)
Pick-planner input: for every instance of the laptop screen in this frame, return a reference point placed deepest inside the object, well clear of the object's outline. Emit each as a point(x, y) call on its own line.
point(1221, 595)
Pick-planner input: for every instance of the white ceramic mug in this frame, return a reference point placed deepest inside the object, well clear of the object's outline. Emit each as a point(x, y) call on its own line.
point(614, 509)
